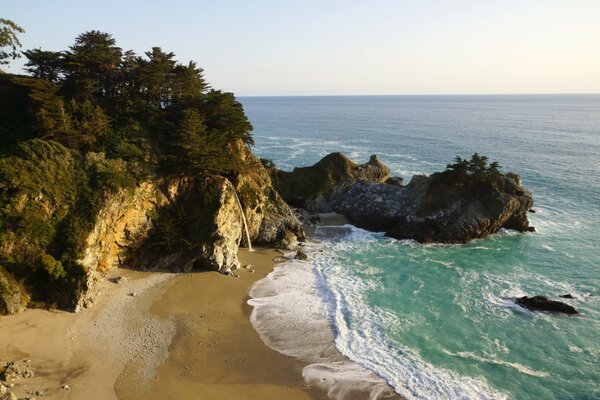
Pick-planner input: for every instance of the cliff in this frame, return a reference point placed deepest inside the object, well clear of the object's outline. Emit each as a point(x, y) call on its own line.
point(58, 244)
point(445, 207)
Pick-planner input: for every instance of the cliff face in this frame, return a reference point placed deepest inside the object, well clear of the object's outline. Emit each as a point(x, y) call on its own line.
point(58, 248)
point(121, 226)
point(271, 221)
point(436, 208)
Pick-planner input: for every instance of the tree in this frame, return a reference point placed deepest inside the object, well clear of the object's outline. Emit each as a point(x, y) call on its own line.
point(44, 64)
point(225, 115)
point(197, 150)
point(91, 66)
point(156, 75)
point(8, 38)
point(188, 84)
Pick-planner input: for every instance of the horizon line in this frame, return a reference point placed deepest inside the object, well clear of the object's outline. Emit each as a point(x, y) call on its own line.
point(424, 94)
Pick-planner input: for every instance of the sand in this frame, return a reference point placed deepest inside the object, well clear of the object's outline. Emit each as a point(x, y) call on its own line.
point(216, 353)
point(158, 335)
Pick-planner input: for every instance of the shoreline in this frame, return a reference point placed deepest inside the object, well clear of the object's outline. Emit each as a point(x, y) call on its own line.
point(162, 335)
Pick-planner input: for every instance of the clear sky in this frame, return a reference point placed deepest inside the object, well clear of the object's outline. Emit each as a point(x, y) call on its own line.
point(296, 47)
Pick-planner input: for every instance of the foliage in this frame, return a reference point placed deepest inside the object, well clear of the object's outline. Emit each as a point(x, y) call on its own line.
point(44, 64)
point(267, 163)
point(8, 38)
point(462, 178)
point(475, 169)
point(90, 121)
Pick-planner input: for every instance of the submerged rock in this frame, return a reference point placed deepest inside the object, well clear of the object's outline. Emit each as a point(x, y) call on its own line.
point(542, 303)
point(566, 296)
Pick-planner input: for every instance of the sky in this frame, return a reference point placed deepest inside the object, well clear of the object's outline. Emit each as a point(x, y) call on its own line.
point(333, 47)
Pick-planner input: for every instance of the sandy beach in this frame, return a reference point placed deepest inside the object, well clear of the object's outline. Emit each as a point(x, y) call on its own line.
point(158, 335)
point(155, 336)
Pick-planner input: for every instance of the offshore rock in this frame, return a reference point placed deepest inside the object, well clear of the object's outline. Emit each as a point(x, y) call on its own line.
point(542, 303)
point(309, 187)
point(436, 208)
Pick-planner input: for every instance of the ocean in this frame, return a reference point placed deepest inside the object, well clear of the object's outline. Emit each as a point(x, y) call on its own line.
point(438, 321)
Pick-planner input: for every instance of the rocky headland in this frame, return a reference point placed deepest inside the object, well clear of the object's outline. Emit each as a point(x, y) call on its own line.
point(454, 206)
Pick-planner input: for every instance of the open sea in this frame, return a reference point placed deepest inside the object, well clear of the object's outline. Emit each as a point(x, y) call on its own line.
point(438, 322)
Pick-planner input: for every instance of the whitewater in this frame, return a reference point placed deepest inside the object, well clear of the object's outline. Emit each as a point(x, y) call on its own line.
point(431, 321)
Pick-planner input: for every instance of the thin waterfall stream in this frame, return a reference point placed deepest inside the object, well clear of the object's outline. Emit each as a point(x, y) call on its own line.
point(245, 223)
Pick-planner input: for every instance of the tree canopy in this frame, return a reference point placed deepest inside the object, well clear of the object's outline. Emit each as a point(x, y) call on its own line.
point(9, 39)
point(96, 97)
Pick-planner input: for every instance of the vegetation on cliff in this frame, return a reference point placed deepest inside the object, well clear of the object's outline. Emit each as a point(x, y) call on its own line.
point(86, 123)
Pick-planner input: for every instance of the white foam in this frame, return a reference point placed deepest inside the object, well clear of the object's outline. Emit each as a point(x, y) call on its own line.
point(309, 311)
point(493, 360)
point(291, 318)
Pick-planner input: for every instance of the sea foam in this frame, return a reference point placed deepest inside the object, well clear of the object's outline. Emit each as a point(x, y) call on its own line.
point(303, 309)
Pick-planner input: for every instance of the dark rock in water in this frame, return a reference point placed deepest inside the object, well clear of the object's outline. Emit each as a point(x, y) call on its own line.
point(300, 255)
point(530, 229)
point(542, 303)
point(440, 208)
point(531, 210)
point(566, 296)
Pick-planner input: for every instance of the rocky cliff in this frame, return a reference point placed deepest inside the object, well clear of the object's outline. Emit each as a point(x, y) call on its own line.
point(60, 236)
point(441, 208)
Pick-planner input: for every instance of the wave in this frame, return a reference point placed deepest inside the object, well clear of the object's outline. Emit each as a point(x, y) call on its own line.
point(308, 312)
point(493, 360)
point(291, 318)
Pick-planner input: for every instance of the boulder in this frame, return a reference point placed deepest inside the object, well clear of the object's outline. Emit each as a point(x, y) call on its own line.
point(542, 303)
point(300, 255)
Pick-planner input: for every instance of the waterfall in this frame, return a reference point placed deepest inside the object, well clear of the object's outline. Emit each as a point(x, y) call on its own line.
point(244, 219)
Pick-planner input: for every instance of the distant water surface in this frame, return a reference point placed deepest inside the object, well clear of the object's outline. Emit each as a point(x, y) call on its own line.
point(437, 321)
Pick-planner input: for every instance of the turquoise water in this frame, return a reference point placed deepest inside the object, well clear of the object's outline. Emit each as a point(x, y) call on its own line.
point(437, 321)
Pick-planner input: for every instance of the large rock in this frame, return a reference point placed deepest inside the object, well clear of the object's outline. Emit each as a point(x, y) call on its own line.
point(271, 222)
point(201, 228)
point(309, 187)
point(432, 208)
point(13, 298)
point(121, 226)
point(542, 303)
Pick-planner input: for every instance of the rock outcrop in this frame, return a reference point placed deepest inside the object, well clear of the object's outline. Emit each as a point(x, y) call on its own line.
point(542, 303)
point(201, 228)
point(438, 208)
point(13, 298)
point(271, 222)
point(309, 187)
point(121, 226)
point(180, 223)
